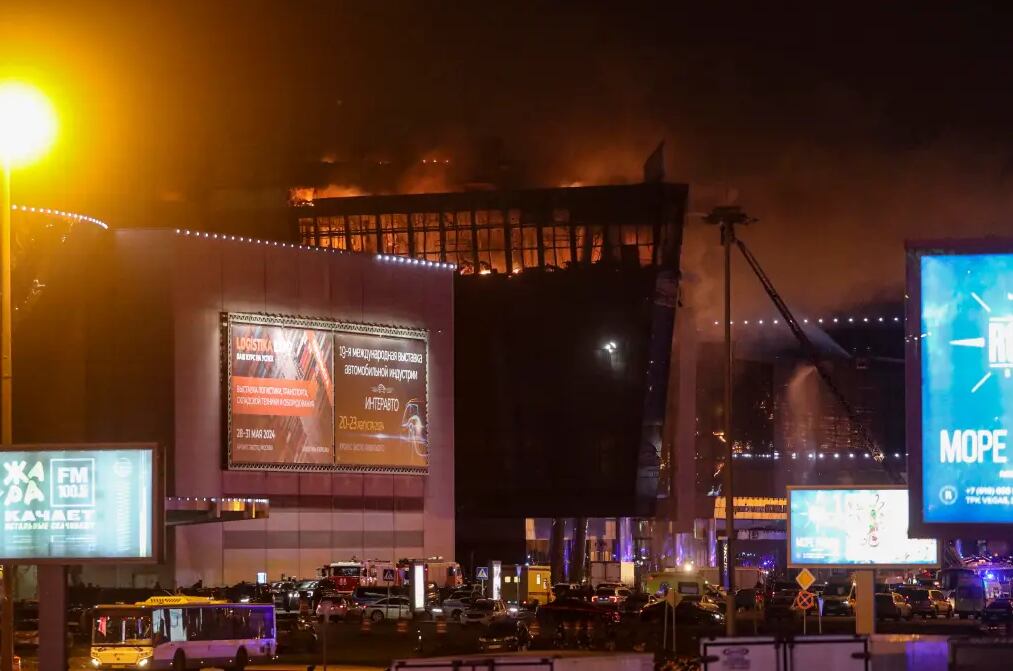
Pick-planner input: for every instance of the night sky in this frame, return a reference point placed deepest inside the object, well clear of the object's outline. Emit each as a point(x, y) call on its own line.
point(845, 131)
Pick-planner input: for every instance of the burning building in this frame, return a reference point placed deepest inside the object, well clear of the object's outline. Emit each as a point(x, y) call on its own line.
point(564, 309)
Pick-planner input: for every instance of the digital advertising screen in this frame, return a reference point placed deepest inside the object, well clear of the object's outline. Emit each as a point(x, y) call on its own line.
point(329, 395)
point(960, 406)
point(282, 395)
point(77, 504)
point(840, 527)
point(380, 404)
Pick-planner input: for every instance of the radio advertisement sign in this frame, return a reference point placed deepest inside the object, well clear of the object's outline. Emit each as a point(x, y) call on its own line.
point(843, 527)
point(72, 503)
point(326, 394)
point(960, 411)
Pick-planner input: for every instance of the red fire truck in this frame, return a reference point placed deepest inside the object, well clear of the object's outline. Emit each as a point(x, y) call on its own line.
point(347, 575)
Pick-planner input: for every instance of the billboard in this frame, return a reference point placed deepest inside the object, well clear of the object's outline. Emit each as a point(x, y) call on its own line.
point(848, 527)
point(309, 394)
point(960, 399)
point(281, 395)
point(71, 504)
point(380, 402)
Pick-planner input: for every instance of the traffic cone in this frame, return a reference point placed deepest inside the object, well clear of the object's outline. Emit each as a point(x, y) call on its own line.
point(441, 626)
point(366, 625)
point(402, 626)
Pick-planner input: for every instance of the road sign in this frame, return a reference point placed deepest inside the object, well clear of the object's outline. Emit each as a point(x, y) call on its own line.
point(388, 575)
point(805, 600)
point(482, 573)
point(805, 579)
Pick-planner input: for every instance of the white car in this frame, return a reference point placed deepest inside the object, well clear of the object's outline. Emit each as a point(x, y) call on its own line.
point(484, 611)
point(455, 605)
point(392, 608)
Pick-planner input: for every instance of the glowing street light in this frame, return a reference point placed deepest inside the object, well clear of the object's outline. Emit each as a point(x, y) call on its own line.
point(27, 129)
point(27, 123)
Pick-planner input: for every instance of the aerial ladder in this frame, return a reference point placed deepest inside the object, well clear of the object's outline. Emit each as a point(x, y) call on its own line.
point(723, 215)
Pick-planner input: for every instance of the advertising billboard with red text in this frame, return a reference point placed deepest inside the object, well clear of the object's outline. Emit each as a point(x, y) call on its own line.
point(311, 395)
point(281, 395)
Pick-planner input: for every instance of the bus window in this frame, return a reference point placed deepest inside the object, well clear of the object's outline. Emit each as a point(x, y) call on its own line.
point(177, 629)
point(261, 622)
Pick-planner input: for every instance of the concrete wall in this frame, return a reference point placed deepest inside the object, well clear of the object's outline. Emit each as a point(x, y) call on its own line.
point(125, 345)
point(315, 517)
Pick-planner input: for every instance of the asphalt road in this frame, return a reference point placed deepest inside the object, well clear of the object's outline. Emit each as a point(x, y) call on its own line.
point(355, 650)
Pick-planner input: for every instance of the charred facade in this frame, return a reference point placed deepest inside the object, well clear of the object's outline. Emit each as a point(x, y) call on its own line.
point(564, 308)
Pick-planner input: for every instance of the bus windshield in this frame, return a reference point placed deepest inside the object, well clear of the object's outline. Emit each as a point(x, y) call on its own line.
point(129, 626)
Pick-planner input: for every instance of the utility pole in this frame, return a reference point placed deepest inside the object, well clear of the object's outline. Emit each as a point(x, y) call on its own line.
point(6, 415)
point(727, 218)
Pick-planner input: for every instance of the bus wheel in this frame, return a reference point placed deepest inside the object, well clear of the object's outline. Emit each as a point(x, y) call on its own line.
point(179, 661)
point(240, 664)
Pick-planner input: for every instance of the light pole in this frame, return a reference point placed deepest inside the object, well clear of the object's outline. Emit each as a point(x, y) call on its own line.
point(27, 128)
point(727, 218)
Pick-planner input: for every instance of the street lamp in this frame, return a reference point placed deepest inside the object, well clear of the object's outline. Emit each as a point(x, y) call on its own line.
point(27, 128)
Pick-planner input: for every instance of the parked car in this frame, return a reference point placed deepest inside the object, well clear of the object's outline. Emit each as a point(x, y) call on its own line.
point(26, 632)
point(634, 604)
point(839, 598)
point(565, 589)
point(999, 611)
point(920, 600)
point(944, 607)
point(569, 609)
point(611, 594)
point(335, 608)
point(307, 589)
point(505, 635)
point(363, 596)
point(393, 608)
point(745, 599)
point(285, 595)
point(687, 611)
point(456, 604)
point(892, 606)
point(484, 611)
point(780, 601)
point(295, 632)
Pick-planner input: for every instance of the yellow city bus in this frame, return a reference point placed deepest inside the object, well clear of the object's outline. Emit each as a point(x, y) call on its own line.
point(182, 632)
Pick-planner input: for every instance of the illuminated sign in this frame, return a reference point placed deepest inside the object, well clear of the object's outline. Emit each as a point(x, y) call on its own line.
point(418, 586)
point(497, 578)
point(316, 394)
point(841, 527)
point(961, 354)
point(79, 503)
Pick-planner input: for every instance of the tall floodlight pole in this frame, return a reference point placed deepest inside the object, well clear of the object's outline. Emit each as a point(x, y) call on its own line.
point(27, 127)
point(6, 434)
point(727, 218)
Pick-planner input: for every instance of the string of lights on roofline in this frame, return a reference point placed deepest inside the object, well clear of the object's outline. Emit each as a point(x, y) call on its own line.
point(396, 260)
point(817, 320)
point(810, 455)
point(59, 213)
